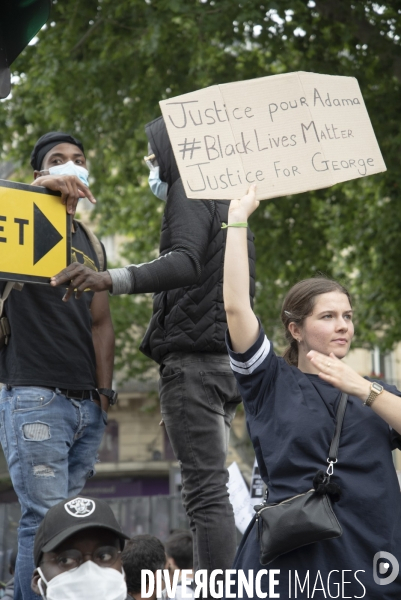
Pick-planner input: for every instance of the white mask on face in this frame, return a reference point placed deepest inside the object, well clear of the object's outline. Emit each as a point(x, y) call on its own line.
point(70, 168)
point(87, 582)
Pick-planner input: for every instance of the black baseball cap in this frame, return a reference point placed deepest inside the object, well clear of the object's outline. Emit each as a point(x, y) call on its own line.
point(47, 142)
point(72, 515)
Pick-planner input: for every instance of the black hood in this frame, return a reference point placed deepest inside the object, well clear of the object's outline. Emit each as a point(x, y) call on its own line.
point(160, 143)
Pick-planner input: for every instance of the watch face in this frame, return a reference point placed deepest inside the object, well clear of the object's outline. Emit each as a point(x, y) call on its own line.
point(376, 387)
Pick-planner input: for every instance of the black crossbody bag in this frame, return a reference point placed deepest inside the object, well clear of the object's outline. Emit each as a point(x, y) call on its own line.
point(306, 518)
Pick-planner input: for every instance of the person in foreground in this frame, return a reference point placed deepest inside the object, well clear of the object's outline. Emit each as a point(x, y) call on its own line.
point(291, 404)
point(56, 367)
point(78, 553)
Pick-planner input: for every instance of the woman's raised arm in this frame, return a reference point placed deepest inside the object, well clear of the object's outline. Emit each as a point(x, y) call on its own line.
point(242, 323)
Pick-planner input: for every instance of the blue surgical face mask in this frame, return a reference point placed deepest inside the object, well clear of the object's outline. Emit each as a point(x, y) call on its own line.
point(70, 168)
point(158, 187)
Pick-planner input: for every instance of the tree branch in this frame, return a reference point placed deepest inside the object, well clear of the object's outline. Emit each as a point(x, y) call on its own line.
point(87, 34)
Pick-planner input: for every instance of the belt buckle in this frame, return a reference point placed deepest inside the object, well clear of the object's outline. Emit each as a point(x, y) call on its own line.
point(76, 396)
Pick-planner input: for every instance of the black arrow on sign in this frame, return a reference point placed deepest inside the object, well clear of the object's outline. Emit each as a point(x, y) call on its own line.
point(45, 235)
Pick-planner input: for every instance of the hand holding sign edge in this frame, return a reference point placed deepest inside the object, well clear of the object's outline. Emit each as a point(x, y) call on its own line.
point(70, 186)
point(81, 278)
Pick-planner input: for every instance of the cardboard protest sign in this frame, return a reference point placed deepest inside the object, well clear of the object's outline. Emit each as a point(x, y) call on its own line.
point(35, 233)
point(286, 133)
point(239, 497)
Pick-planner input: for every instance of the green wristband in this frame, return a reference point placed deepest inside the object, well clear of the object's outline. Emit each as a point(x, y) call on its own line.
point(225, 225)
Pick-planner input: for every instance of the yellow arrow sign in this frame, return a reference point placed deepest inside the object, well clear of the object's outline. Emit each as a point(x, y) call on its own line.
point(35, 233)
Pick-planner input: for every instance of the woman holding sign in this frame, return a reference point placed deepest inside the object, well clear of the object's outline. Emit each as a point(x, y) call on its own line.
point(291, 404)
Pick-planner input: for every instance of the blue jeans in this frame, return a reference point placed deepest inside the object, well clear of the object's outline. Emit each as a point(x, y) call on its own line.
point(50, 443)
point(199, 397)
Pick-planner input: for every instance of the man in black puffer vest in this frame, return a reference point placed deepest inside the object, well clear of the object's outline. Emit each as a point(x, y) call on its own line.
point(186, 336)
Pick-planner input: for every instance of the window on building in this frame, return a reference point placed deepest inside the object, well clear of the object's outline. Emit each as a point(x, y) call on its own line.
point(383, 366)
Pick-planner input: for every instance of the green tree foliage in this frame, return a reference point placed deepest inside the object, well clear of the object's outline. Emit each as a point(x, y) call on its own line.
point(99, 69)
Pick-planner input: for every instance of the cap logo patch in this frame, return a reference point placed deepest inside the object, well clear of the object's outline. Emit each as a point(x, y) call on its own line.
point(80, 507)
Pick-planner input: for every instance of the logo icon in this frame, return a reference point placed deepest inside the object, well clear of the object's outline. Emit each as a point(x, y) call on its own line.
point(387, 560)
point(80, 507)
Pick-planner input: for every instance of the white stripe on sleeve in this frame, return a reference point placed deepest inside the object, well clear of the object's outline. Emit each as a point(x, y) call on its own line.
point(249, 366)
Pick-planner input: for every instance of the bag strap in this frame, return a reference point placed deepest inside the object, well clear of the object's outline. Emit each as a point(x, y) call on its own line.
point(333, 446)
point(6, 292)
point(333, 452)
point(96, 245)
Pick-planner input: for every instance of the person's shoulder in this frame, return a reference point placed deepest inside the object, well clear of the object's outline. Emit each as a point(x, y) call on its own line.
point(85, 240)
point(177, 198)
point(255, 359)
point(81, 234)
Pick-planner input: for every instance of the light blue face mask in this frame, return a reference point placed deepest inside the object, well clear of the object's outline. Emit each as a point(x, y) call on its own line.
point(70, 168)
point(159, 188)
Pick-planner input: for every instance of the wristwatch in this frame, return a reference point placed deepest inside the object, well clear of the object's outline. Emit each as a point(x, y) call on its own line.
point(375, 390)
point(110, 394)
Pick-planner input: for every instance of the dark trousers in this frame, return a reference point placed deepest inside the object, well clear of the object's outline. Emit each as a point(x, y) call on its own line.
point(199, 396)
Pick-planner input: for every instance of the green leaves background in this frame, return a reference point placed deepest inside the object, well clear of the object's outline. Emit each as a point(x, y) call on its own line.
point(99, 69)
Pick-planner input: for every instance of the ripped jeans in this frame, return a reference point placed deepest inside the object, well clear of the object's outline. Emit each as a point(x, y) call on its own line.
point(50, 443)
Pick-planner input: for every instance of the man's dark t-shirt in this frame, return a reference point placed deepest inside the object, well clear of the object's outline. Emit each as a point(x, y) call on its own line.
point(51, 340)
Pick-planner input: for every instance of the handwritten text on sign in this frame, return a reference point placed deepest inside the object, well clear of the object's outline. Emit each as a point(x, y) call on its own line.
point(287, 133)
